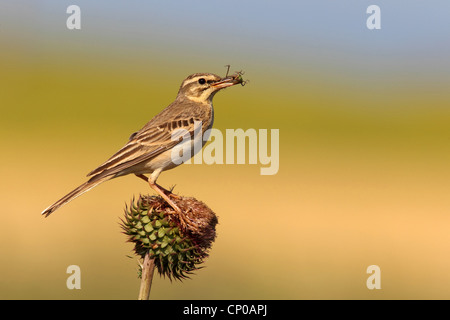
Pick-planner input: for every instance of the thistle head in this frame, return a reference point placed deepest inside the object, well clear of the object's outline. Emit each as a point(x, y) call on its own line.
point(177, 249)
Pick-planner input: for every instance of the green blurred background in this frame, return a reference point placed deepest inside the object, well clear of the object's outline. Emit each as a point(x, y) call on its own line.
point(364, 145)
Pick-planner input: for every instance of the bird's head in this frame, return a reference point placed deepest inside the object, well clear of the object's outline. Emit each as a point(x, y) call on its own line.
point(201, 87)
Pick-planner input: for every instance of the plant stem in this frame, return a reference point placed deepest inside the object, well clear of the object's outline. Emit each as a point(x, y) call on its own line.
point(148, 268)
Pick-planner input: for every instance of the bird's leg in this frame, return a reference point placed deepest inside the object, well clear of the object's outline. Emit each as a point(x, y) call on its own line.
point(155, 187)
point(152, 182)
point(167, 192)
point(182, 217)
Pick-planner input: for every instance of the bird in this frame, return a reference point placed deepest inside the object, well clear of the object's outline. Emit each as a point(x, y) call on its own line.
point(150, 150)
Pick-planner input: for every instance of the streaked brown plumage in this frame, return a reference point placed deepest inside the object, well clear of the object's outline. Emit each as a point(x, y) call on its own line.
point(149, 149)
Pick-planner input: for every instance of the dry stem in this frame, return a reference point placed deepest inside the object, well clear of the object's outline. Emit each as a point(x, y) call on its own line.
point(148, 268)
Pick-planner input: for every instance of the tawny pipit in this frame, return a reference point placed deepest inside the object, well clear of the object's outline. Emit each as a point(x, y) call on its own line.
point(149, 151)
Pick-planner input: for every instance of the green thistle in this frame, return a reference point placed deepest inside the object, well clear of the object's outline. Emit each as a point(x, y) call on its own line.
point(155, 229)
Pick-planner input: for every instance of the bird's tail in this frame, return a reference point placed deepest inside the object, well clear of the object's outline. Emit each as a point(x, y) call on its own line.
point(75, 193)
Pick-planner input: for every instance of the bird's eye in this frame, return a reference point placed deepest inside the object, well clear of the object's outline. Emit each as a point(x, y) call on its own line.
point(201, 81)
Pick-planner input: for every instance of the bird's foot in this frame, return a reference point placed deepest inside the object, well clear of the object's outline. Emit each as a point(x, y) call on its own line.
point(183, 218)
point(169, 192)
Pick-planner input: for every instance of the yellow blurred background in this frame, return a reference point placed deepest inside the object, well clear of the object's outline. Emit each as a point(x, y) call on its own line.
point(364, 159)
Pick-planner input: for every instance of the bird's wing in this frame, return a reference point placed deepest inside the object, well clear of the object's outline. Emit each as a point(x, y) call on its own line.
point(147, 143)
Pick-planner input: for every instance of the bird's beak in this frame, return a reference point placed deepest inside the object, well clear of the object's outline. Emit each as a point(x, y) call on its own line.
point(226, 82)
